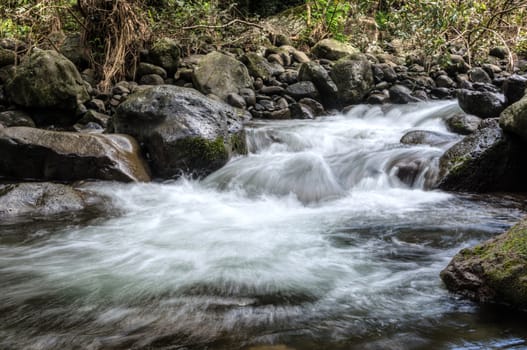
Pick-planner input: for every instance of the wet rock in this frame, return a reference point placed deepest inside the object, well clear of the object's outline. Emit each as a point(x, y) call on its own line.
point(43, 199)
point(15, 118)
point(301, 111)
point(514, 119)
point(47, 80)
point(488, 160)
point(272, 90)
point(249, 96)
point(332, 49)
point(424, 137)
point(219, 74)
point(401, 94)
point(183, 131)
point(483, 104)
point(378, 98)
point(514, 88)
point(493, 271)
point(29, 153)
point(165, 53)
point(260, 67)
point(314, 72)
point(353, 77)
point(463, 124)
point(314, 105)
point(303, 89)
point(276, 114)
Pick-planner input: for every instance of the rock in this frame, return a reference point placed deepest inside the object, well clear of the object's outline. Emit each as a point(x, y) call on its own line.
point(401, 94)
point(259, 67)
point(377, 98)
point(249, 96)
point(96, 104)
point(301, 111)
point(456, 65)
point(7, 57)
point(494, 271)
point(314, 72)
point(463, 124)
point(499, 52)
point(15, 118)
point(514, 119)
point(332, 49)
point(272, 90)
point(514, 88)
point(478, 75)
point(289, 76)
point(236, 100)
point(165, 53)
point(276, 58)
point(314, 105)
point(42, 199)
point(303, 89)
point(73, 50)
point(431, 138)
point(353, 77)
point(220, 75)
point(47, 80)
point(183, 131)
point(148, 68)
point(151, 79)
point(483, 104)
point(29, 153)
point(92, 116)
point(384, 72)
point(276, 114)
point(488, 160)
point(444, 81)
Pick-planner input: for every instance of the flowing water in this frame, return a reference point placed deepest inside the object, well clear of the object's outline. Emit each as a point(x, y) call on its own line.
point(309, 242)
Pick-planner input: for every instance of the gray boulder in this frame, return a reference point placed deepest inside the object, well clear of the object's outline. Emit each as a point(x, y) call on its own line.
point(488, 160)
point(514, 88)
point(314, 72)
point(303, 89)
point(353, 77)
point(47, 80)
point(494, 271)
point(42, 199)
point(401, 94)
point(29, 153)
point(483, 104)
point(514, 119)
point(260, 67)
point(182, 131)
point(332, 49)
point(219, 74)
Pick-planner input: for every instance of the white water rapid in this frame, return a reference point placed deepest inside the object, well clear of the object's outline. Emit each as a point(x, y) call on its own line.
point(310, 242)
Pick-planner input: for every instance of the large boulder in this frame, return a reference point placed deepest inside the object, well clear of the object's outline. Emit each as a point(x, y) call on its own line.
point(165, 53)
point(29, 153)
point(487, 160)
point(332, 49)
point(314, 72)
point(353, 77)
point(514, 118)
point(183, 131)
point(220, 74)
point(483, 104)
point(49, 81)
point(42, 199)
point(494, 271)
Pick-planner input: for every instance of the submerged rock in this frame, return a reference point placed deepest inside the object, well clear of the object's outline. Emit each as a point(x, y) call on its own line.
point(42, 199)
point(183, 131)
point(49, 81)
point(494, 271)
point(488, 160)
point(29, 153)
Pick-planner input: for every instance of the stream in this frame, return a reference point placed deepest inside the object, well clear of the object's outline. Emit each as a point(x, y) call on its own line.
point(309, 242)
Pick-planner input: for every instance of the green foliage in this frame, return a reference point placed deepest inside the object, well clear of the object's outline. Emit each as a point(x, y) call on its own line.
point(327, 18)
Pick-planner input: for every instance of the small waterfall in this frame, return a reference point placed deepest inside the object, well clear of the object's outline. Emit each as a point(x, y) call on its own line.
point(327, 158)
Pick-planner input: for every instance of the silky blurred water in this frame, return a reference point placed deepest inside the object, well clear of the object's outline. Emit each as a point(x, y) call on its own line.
point(309, 242)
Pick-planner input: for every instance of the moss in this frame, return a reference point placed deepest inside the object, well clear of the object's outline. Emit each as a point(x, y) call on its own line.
point(238, 144)
point(201, 155)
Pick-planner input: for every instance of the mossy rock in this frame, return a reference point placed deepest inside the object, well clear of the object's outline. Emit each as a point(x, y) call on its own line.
point(7, 57)
point(514, 118)
point(183, 131)
point(46, 80)
point(494, 271)
point(354, 78)
point(332, 49)
point(165, 53)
